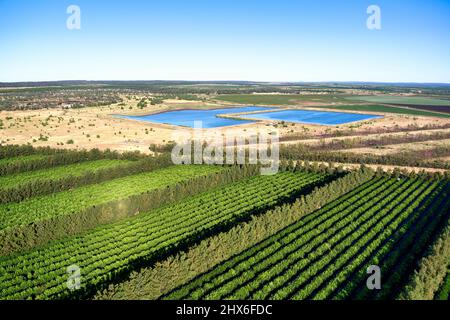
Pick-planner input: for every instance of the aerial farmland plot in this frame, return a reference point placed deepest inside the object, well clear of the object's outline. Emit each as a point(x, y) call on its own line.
point(295, 155)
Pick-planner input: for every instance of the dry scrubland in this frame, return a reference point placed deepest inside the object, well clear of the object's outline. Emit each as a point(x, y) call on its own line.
point(96, 127)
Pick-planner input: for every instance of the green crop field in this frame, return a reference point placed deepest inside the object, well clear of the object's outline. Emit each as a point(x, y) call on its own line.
point(386, 222)
point(68, 202)
point(138, 226)
point(279, 99)
point(444, 290)
point(402, 100)
point(389, 109)
point(108, 250)
point(75, 170)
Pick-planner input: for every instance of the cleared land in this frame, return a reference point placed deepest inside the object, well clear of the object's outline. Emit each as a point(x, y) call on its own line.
point(97, 127)
point(400, 147)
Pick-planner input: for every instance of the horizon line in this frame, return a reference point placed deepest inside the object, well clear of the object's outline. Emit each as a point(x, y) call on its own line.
point(229, 81)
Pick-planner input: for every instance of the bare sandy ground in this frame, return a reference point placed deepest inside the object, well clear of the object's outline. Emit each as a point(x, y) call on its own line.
point(367, 136)
point(397, 148)
point(387, 168)
point(97, 127)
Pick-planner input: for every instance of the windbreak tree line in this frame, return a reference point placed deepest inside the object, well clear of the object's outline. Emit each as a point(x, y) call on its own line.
point(342, 132)
point(38, 232)
point(153, 281)
point(109, 252)
point(415, 158)
point(47, 186)
point(358, 142)
point(325, 255)
point(52, 157)
point(429, 279)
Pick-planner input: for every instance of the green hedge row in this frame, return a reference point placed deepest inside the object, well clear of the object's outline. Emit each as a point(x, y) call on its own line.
point(431, 270)
point(53, 157)
point(166, 275)
point(41, 232)
point(42, 187)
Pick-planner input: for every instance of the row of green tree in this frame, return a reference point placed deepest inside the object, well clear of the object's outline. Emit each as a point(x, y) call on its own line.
point(359, 142)
point(47, 186)
point(53, 157)
point(343, 132)
point(11, 150)
point(156, 280)
point(414, 158)
point(38, 233)
point(153, 281)
point(431, 270)
point(300, 152)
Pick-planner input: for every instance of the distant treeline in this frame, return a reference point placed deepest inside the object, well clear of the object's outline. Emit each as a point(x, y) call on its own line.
point(436, 88)
point(55, 97)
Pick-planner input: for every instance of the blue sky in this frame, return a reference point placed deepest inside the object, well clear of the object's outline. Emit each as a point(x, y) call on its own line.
point(225, 40)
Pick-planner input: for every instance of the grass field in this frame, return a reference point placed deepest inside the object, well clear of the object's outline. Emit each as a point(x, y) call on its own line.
point(388, 222)
point(75, 170)
point(402, 100)
point(278, 99)
point(106, 251)
point(381, 108)
point(285, 100)
point(71, 201)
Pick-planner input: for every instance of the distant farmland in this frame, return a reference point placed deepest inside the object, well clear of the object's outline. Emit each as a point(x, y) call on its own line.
point(390, 109)
point(278, 99)
point(403, 100)
point(411, 105)
point(442, 109)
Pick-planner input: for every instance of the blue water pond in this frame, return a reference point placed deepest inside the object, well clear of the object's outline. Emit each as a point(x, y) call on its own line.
point(209, 118)
point(313, 117)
